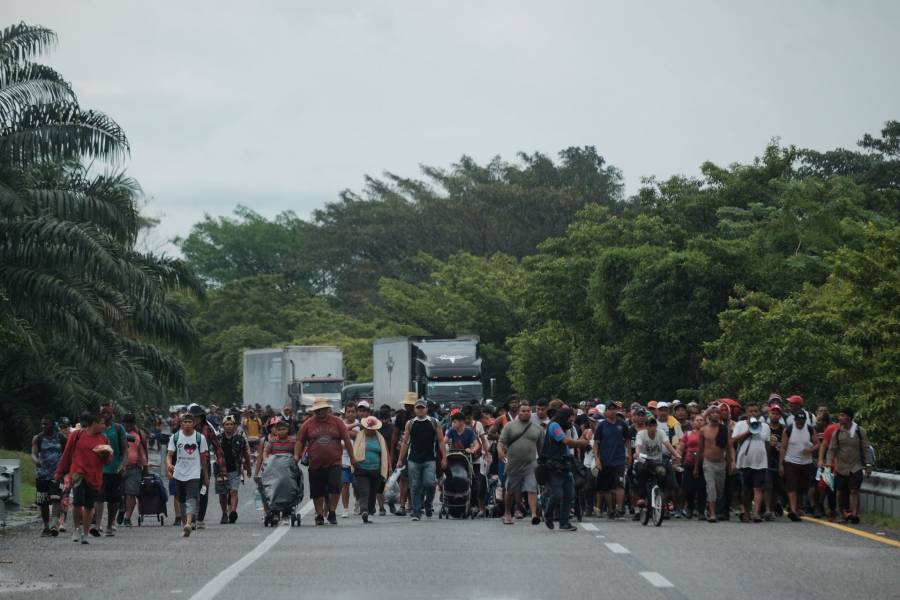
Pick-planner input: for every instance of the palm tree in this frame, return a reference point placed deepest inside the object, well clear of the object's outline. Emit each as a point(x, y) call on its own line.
point(84, 316)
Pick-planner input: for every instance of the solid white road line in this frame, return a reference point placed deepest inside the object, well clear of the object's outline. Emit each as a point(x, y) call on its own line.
point(656, 579)
point(617, 548)
point(589, 527)
point(218, 583)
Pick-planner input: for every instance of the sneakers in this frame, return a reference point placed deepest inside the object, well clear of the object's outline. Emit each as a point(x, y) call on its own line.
point(223, 520)
point(382, 512)
point(95, 532)
point(793, 517)
point(392, 507)
point(332, 518)
point(429, 512)
point(76, 536)
point(126, 523)
point(84, 540)
point(401, 512)
point(201, 524)
point(365, 517)
point(535, 520)
point(568, 527)
point(232, 517)
point(320, 520)
point(186, 530)
point(416, 517)
point(54, 531)
point(345, 515)
point(45, 532)
point(177, 522)
point(548, 523)
point(110, 532)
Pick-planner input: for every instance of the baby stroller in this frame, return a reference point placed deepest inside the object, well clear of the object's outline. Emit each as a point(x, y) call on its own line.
point(152, 499)
point(456, 493)
point(281, 489)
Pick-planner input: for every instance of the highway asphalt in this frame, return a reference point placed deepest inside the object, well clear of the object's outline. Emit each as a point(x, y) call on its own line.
point(395, 558)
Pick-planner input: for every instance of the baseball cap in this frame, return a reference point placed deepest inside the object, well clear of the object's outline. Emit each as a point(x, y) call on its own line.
point(795, 399)
point(421, 402)
point(662, 405)
point(775, 398)
point(800, 415)
point(652, 404)
point(363, 404)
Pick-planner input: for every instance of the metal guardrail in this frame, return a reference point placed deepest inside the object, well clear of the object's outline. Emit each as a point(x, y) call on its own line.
point(881, 493)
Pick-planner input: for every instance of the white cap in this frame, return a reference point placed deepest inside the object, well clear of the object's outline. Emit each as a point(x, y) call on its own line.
point(363, 404)
point(662, 405)
point(601, 408)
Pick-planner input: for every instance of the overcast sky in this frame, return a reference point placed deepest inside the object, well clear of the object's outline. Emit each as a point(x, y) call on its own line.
point(280, 105)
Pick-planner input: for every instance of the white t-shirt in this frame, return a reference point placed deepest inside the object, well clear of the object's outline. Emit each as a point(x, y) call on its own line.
point(652, 448)
point(187, 455)
point(751, 454)
point(345, 458)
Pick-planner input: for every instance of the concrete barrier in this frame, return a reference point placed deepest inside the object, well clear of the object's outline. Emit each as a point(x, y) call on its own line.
point(881, 493)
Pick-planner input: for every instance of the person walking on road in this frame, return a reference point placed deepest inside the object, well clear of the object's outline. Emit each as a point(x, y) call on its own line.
point(187, 462)
point(136, 462)
point(401, 418)
point(717, 455)
point(518, 448)
point(610, 455)
point(751, 435)
point(112, 473)
point(557, 452)
point(349, 418)
point(86, 453)
point(798, 445)
point(423, 444)
point(236, 452)
point(206, 429)
point(849, 453)
point(46, 451)
point(322, 438)
point(775, 494)
point(694, 486)
point(373, 464)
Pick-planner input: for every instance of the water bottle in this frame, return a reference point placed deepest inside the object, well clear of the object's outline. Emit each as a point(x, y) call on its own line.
point(257, 499)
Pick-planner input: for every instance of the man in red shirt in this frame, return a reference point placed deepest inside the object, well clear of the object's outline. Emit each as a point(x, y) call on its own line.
point(321, 438)
point(87, 451)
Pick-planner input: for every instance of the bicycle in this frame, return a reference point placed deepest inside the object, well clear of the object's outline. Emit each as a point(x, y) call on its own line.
point(654, 493)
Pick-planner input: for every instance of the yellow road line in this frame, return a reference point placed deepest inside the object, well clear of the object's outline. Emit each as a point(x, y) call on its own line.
point(865, 534)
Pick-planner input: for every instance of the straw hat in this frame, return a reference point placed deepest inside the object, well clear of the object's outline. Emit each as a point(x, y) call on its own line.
point(319, 404)
point(410, 398)
point(371, 423)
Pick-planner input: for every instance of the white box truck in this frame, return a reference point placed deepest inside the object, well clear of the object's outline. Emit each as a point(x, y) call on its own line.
point(443, 370)
point(294, 375)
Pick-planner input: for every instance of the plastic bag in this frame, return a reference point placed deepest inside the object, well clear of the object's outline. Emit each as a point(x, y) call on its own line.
point(392, 487)
point(828, 478)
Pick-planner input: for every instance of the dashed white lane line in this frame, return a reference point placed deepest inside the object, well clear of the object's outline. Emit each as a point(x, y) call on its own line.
point(617, 548)
point(220, 581)
point(656, 579)
point(589, 527)
point(599, 536)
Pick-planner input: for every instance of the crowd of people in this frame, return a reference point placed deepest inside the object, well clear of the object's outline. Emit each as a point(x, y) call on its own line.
point(544, 460)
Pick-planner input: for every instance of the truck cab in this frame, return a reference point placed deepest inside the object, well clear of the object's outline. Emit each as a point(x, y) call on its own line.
point(328, 388)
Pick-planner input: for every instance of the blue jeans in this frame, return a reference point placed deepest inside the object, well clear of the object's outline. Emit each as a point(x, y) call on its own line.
point(562, 493)
point(422, 477)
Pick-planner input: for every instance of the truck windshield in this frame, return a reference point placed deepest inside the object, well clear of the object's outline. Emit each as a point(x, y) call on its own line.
point(454, 391)
point(322, 387)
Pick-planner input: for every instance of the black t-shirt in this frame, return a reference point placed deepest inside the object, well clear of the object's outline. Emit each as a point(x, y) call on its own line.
point(422, 441)
point(774, 447)
point(232, 448)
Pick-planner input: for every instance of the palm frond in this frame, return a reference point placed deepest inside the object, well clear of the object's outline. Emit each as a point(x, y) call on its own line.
point(30, 84)
point(63, 131)
point(22, 41)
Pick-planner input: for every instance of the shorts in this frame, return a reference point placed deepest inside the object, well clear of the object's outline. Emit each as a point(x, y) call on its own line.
point(753, 478)
point(851, 482)
point(346, 475)
point(797, 477)
point(714, 474)
point(131, 481)
point(611, 478)
point(521, 482)
point(233, 481)
point(84, 495)
point(325, 481)
point(188, 493)
point(48, 492)
point(112, 487)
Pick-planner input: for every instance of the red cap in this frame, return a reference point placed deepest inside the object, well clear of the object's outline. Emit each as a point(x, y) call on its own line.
point(795, 399)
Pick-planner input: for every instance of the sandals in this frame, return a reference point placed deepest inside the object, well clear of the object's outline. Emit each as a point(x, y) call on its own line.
point(507, 521)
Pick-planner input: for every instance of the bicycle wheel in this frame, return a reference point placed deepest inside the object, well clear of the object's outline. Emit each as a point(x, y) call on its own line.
point(656, 505)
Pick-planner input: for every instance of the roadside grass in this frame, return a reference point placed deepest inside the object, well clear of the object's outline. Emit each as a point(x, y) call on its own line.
point(881, 521)
point(28, 491)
